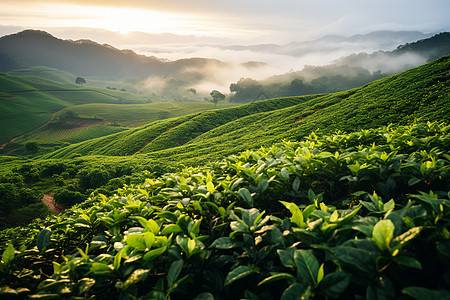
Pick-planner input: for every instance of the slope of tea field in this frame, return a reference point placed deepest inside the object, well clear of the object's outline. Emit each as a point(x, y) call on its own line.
point(28, 102)
point(422, 93)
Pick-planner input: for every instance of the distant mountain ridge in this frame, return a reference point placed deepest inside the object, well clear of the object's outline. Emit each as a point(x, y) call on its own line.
point(88, 58)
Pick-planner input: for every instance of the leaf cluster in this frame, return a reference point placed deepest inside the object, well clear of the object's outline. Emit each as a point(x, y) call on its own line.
point(365, 214)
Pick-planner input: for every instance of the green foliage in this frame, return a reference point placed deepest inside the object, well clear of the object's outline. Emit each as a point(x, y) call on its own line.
point(416, 94)
point(32, 147)
point(68, 198)
point(365, 214)
point(29, 100)
point(216, 96)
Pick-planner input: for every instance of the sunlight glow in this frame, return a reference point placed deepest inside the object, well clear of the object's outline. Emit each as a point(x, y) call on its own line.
point(123, 20)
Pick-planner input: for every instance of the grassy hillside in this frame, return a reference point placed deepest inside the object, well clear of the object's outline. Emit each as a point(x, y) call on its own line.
point(342, 216)
point(171, 132)
point(139, 114)
point(98, 120)
point(45, 72)
point(28, 101)
point(421, 93)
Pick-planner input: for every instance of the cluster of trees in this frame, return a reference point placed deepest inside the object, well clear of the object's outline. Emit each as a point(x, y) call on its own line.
point(19, 203)
point(247, 89)
point(70, 183)
point(216, 96)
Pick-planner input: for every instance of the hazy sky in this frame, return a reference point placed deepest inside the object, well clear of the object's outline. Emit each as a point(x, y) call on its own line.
point(254, 21)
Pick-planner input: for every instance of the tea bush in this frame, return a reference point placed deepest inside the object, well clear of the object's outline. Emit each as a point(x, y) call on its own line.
point(359, 215)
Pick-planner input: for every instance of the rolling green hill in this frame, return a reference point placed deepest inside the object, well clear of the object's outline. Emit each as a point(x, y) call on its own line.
point(421, 93)
point(140, 114)
point(28, 100)
point(45, 72)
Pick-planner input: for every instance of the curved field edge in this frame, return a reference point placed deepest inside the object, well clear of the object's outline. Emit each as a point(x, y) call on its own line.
point(170, 132)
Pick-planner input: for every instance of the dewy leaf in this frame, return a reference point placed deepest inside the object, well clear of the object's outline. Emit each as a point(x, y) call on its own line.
point(238, 273)
point(382, 234)
point(8, 254)
point(43, 239)
point(307, 266)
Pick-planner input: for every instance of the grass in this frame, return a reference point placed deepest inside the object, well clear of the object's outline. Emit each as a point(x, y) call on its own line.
point(27, 101)
point(139, 114)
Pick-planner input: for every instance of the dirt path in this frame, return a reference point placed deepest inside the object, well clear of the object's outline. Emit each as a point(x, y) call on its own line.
point(20, 136)
point(50, 202)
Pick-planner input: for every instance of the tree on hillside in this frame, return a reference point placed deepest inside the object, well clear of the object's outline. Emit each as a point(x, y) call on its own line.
point(32, 147)
point(80, 80)
point(216, 96)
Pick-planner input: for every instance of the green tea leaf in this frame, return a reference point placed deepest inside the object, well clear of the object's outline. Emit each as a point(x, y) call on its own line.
point(277, 277)
point(320, 274)
point(287, 257)
point(294, 292)
point(307, 266)
point(149, 239)
point(297, 216)
point(204, 296)
point(408, 261)
point(43, 239)
point(174, 271)
point(334, 284)
point(172, 228)
point(136, 241)
point(152, 254)
point(382, 234)
point(246, 196)
point(8, 254)
point(238, 273)
point(100, 268)
point(420, 293)
point(210, 187)
point(223, 243)
point(191, 247)
point(137, 276)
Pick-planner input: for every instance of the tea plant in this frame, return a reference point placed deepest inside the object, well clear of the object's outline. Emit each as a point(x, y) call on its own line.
point(364, 214)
